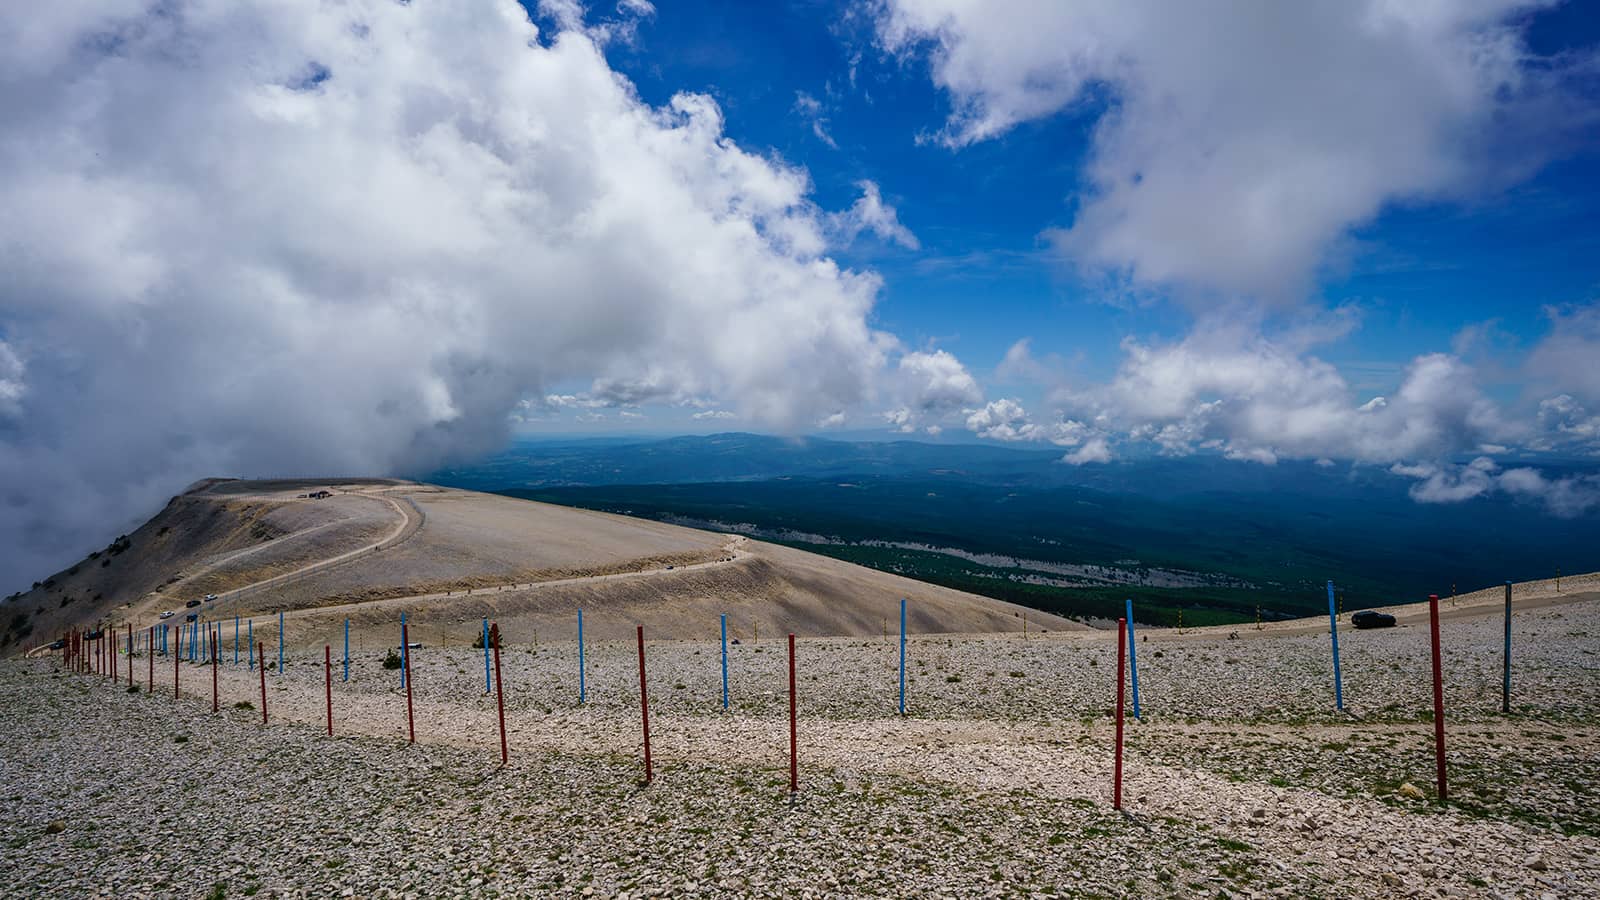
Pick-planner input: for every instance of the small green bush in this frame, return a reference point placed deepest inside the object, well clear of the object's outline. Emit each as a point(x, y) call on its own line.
point(392, 661)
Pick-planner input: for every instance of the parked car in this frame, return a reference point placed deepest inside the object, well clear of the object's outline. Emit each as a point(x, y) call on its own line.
point(167, 614)
point(210, 597)
point(191, 617)
point(1370, 619)
point(192, 604)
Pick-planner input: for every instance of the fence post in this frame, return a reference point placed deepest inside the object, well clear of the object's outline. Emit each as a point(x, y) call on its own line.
point(346, 649)
point(152, 660)
point(327, 673)
point(794, 744)
point(500, 692)
point(1505, 687)
point(1116, 778)
point(175, 658)
point(261, 652)
point(280, 643)
point(405, 658)
point(214, 697)
point(405, 652)
point(724, 662)
point(1133, 663)
point(130, 654)
point(1438, 697)
point(583, 688)
point(487, 684)
point(644, 708)
point(250, 629)
point(236, 642)
point(902, 656)
point(1333, 629)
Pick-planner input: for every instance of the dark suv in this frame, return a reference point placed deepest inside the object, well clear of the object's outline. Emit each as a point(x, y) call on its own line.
point(192, 604)
point(1370, 619)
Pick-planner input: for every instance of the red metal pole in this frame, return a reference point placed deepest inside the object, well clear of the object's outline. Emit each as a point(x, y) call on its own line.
point(499, 690)
point(150, 651)
point(214, 698)
point(644, 708)
point(1438, 698)
point(794, 746)
point(1122, 661)
point(327, 670)
point(405, 641)
point(130, 654)
point(261, 655)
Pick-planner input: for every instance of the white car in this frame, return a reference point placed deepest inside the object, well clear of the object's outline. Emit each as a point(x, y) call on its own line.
point(167, 615)
point(210, 597)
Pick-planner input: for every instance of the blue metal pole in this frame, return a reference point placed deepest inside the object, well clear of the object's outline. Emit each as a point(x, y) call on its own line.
point(1333, 629)
point(280, 643)
point(724, 662)
point(250, 640)
point(1133, 664)
point(405, 652)
point(346, 649)
point(487, 684)
point(902, 656)
point(583, 689)
point(236, 640)
point(1505, 688)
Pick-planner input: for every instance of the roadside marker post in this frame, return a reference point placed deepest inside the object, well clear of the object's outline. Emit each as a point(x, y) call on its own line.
point(405, 652)
point(176, 657)
point(644, 708)
point(250, 639)
point(724, 662)
point(214, 697)
point(152, 660)
point(487, 684)
point(1438, 698)
point(346, 649)
point(1116, 778)
point(902, 656)
point(1333, 629)
point(327, 671)
point(261, 653)
point(130, 655)
point(1505, 687)
point(500, 692)
point(405, 658)
point(583, 687)
point(1133, 662)
point(794, 744)
point(236, 642)
point(280, 643)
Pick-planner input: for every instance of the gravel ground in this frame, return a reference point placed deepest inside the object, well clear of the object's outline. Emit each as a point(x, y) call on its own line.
point(1241, 779)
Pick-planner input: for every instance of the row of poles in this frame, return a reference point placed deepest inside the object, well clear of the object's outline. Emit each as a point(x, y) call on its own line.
point(93, 652)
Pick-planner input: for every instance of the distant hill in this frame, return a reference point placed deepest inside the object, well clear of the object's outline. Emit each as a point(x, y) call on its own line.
point(1223, 537)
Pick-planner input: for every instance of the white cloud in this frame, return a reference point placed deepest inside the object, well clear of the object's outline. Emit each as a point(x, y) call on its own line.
point(810, 109)
point(1567, 497)
point(1006, 420)
point(1094, 450)
point(870, 213)
point(715, 414)
point(1240, 143)
point(286, 237)
point(929, 386)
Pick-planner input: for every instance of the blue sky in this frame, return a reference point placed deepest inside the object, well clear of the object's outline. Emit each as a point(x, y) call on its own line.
point(982, 279)
point(263, 237)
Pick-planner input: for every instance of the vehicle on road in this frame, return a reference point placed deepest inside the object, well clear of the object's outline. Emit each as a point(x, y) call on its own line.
point(57, 644)
point(192, 604)
point(167, 614)
point(191, 617)
point(1370, 619)
point(210, 597)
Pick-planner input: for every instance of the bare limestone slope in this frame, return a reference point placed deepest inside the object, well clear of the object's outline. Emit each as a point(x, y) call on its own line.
point(370, 549)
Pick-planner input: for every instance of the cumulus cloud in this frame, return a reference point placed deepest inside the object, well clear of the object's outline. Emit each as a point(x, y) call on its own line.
point(261, 238)
point(1006, 420)
point(1567, 497)
point(715, 414)
point(930, 386)
point(1256, 398)
point(1238, 143)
